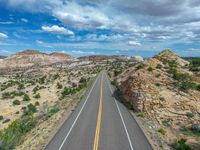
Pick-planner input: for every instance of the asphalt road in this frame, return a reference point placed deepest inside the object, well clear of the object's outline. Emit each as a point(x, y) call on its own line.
point(100, 122)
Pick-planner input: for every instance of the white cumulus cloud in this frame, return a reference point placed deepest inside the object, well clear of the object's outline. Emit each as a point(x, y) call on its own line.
point(57, 30)
point(3, 36)
point(24, 20)
point(134, 43)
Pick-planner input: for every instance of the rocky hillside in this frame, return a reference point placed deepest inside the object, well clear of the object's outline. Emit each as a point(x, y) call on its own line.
point(166, 91)
point(102, 57)
point(168, 55)
point(32, 57)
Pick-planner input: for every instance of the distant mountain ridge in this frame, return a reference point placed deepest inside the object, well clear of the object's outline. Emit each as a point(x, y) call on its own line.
point(32, 57)
point(2, 57)
point(102, 57)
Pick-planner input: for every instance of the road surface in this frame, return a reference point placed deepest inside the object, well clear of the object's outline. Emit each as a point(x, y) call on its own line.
point(100, 122)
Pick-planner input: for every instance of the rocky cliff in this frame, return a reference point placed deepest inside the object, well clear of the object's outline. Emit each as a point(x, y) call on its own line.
point(164, 90)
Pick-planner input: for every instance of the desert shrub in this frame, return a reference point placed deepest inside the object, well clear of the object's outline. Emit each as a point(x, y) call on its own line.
point(141, 114)
point(140, 66)
point(35, 89)
point(8, 84)
point(185, 86)
point(67, 91)
point(55, 76)
point(59, 86)
point(82, 80)
point(189, 114)
point(20, 86)
point(195, 128)
point(6, 95)
point(31, 108)
point(26, 97)
point(166, 122)
point(157, 75)
point(16, 102)
point(6, 120)
point(52, 110)
point(181, 76)
point(195, 64)
point(42, 79)
point(11, 94)
point(1, 117)
point(37, 103)
point(37, 96)
point(158, 66)
point(117, 72)
point(162, 131)
point(198, 87)
point(181, 145)
point(157, 84)
point(13, 135)
point(150, 69)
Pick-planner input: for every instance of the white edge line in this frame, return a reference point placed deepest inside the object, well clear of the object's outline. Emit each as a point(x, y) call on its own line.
point(129, 140)
point(77, 116)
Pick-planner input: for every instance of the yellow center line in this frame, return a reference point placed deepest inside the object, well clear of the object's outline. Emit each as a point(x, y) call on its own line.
point(96, 139)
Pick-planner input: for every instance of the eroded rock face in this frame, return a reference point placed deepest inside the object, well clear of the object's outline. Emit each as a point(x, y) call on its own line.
point(151, 89)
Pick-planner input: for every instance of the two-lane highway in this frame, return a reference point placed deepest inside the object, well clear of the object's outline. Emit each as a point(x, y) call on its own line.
point(100, 122)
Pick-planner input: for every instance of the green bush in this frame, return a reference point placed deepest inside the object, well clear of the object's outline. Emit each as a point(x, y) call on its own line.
point(37, 103)
point(42, 79)
point(189, 114)
point(7, 95)
point(26, 98)
point(181, 76)
point(35, 89)
point(13, 135)
point(37, 96)
point(12, 94)
point(195, 64)
point(56, 76)
point(20, 86)
point(140, 66)
point(162, 131)
point(16, 102)
point(117, 72)
point(198, 87)
point(31, 108)
point(59, 86)
point(52, 110)
point(185, 86)
point(159, 66)
point(1, 117)
point(195, 128)
point(150, 69)
point(82, 80)
point(181, 145)
point(141, 114)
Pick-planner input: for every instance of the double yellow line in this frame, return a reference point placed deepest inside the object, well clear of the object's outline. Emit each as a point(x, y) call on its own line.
point(96, 139)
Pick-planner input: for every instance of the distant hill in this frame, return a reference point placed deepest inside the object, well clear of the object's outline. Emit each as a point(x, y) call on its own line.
point(102, 57)
point(33, 57)
point(61, 55)
point(2, 57)
point(168, 55)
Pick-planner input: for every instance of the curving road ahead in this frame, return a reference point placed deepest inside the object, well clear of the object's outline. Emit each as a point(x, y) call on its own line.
point(100, 122)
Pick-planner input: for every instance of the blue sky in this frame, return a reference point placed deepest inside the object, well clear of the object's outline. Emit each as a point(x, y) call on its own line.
point(88, 27)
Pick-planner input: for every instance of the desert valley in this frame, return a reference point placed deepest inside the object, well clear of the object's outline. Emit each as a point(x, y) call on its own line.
point(38, 89)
